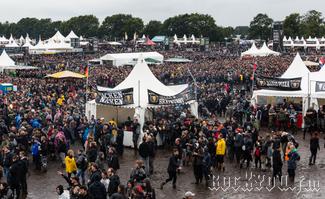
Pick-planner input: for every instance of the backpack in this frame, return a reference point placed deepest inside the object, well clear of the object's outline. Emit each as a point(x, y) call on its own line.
point(257, 152)
point(82, 162)
point(35, 149)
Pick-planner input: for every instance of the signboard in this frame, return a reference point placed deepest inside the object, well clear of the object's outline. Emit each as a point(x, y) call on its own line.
point(115, 98)
point(320, 86)
point(181, 98)
point(293, 84)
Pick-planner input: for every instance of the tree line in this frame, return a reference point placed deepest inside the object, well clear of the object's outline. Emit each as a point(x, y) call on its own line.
point(115, 26)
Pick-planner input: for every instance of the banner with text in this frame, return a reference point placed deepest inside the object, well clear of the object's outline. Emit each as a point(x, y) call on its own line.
point(293, 84)
point(181, 98)
point(115, 98)
point(320, 86)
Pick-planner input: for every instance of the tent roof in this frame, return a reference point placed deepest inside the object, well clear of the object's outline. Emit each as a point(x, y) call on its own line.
point(114, 43)
point(66, 74)
point(252, 51)
point(12, 44)
point(158, 39)
point(5, 60)
point(130, 55)
point(71, 35)
point(296, 69)
point(265, 51)
point(58, 37)
point(311, 63)
point(149, 42)
point(141, 79)
point(178, 60)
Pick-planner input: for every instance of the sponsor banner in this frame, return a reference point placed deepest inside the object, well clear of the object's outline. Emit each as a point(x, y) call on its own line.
point(115, 98)
point(293, 84)
point(181, 98)
point(320, 86)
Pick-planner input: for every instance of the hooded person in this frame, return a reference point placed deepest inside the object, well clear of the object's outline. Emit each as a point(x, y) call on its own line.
point(97, 189)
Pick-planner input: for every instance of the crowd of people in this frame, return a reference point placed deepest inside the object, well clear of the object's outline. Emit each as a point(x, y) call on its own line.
point(44, 122)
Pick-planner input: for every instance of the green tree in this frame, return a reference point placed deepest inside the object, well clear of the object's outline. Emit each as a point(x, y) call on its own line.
point(241, 30)
point(260, 27)
point(116, 26)
point(311, 24)
point(153, 28)
point(196, 24)
point(292, 25)
point(86, 25)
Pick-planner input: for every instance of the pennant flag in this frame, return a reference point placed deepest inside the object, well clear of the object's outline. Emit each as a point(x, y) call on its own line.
point(86, 71)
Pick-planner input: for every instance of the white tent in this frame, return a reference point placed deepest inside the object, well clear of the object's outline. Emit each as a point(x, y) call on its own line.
point(295, 70)
point(58, 37)
point(114, 43)
point(265, 51)
point(141, 79)
point(7, 63)
point(121, 59)
point(12, 43)
point(27, 39)
point(70, 36)
point(27, 44)
point(3, 40)
point(253, 51)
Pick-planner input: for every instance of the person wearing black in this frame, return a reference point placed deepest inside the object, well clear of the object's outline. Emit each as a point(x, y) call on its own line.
point(198, 163)
point(94, 174)
point(73, 181)
point(144, 154)
point(135, 136)
point(25, 162)
point(138, 174)
point(120, 194)
point(97, 189)
point(277, 164)
point(173, 166)
point(314, 147)
point(112, 159)
point(114, 182)
point(82, 165)
point(149, 191)
point(152, 153)
point(15, 176)
point(119, 141)
point(309, 121)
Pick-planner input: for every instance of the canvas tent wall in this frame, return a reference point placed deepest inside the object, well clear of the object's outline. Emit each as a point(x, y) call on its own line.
point(121, 59)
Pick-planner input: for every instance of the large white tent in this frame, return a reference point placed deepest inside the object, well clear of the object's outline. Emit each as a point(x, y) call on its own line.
point(141, 79)
point(295, 70)
point(70, 36)
point(7, 63)
point(121, 59)
point(262, 52)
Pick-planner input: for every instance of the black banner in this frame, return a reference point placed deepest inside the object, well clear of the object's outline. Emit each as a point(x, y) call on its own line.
point(320, 86)
point(181, 98)
point(292, 84)
point(115, 98)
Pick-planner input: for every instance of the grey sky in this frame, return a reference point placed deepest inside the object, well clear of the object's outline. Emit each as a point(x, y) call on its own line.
point(225, 12)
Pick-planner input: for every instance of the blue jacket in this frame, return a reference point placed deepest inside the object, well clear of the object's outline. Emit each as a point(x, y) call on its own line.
point(293, 158)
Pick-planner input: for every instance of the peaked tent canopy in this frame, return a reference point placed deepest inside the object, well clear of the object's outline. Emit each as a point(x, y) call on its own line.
point(58, 37)
point(141, 79)
point(265, 51)
point(296, 69)
point(5, 60)
point(66, 74)
point(253, 51)
point(71, 35)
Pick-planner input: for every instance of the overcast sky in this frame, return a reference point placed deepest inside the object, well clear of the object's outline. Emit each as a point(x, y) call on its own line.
point(225, 12)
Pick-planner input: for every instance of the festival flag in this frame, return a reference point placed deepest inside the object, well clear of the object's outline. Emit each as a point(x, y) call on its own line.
point(321, 61)
point(86, 71)
point(255, 67)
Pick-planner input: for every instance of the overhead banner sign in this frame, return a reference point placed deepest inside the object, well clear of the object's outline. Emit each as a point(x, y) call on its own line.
point(320, 86)
point(115, 98)
point(293, 84)
point(181, 98)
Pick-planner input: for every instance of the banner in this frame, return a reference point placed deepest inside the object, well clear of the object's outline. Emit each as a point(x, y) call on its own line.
point(293, 84)
point(320, 86)
point(181, 98)
point(115, 98)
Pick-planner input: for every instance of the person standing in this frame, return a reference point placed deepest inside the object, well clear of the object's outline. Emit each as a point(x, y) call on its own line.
point(277, 164)
point(314, 147)
point(173, 166)
point(112, 159)
point(292, 162)
point(82, 165)
point(70, 164)
point(144, 154)
point(198, 163)
point(136, 128)
point(14, 176)
point(220, 152)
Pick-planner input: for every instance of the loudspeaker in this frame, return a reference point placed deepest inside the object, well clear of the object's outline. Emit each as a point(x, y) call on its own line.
point(277, 36)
